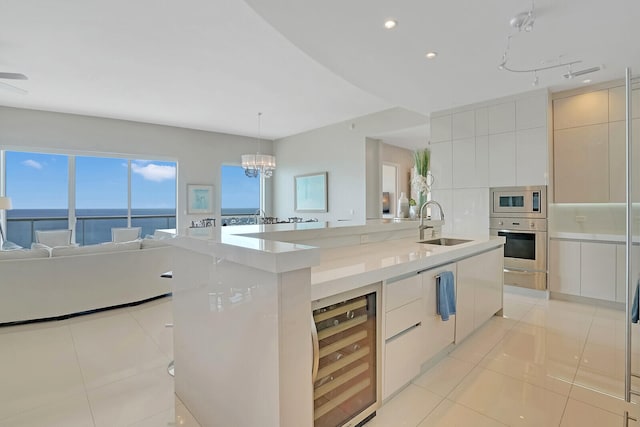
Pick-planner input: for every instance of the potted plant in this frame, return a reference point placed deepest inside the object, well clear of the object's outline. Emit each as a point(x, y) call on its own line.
point(422, 178)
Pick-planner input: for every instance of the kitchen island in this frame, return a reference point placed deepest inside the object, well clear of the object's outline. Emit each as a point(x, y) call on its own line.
point(243, 298)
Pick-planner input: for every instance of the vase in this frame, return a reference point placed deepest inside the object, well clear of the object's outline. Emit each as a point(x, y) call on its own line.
point(413, 211)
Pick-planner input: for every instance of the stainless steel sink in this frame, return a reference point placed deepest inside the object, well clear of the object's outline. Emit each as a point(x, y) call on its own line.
point(444, 241)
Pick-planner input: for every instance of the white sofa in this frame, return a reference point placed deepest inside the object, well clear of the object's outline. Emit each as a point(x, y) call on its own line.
point(41, 283)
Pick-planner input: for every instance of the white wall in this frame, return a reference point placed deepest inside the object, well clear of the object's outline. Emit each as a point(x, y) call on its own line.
point(340, 150)
point(402, 158)
point(502, 142)
point(199, 154)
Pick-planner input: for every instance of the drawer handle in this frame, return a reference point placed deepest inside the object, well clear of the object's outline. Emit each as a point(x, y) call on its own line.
point(315, 345)
point(406, 331)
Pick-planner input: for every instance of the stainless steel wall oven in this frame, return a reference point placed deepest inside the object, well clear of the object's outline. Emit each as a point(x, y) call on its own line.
point(519, 215)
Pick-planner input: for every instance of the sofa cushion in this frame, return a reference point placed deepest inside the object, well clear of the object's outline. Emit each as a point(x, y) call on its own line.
point(10, 246)
point(94, 249)
point(53, 238)
point(147, 243)
point(126, 234)
point(24, 254)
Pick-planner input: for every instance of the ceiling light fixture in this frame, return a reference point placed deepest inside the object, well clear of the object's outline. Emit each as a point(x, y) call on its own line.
point(571, 74)
point(585, 81)
point(390, 24)
point(431, 55)
point(524, 21)
point(254, 164)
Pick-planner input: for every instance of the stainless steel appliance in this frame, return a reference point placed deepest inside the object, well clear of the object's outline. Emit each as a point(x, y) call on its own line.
point(346, 368)
point(519, 214)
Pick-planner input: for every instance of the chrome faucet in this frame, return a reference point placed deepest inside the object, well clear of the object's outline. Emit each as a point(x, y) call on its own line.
point(422, 225)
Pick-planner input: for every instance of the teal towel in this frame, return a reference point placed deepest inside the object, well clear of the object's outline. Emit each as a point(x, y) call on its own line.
point(446, 295)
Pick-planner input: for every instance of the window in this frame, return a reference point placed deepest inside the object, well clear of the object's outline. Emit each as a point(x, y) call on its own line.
point(153, 195)
point(240, 196)
point(109, 192)
point(39, 190)
point(101, 198)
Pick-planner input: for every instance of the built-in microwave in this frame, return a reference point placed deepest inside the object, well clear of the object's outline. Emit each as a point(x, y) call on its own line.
point(522, 202)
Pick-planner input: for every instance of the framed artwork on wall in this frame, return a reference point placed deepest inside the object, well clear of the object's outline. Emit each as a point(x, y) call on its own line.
point(310, 192)
point(199, 199)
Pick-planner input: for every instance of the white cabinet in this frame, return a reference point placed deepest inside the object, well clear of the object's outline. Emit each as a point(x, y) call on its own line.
point(415, 333)
point(438, 333)
point(620, 269)
point(590, 269)
point(564, 267)
point(464, 163)
point(441, 165)
point(479, 291)
point(502, 159)
point(401, 292)
point(441, 128)
point(463, 125)
point(531, 156)
point(402, 360)
point(404, 332)
point(598, 270)
point(502, 118)
point(531, 112)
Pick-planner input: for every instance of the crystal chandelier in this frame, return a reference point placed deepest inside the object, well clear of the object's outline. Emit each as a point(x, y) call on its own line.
point(254, 164)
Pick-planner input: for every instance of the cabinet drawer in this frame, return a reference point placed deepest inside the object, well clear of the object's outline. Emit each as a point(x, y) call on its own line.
point(402, 360)
point(403, 318)
point(402, 292)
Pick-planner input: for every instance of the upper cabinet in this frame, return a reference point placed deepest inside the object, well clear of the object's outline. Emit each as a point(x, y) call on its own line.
point(581, 110)
point(589, 146)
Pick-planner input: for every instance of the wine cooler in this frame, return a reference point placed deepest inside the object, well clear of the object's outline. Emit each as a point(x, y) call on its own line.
point(346, 366)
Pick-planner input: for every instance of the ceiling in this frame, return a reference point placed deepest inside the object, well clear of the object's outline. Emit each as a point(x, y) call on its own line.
point(214, 64)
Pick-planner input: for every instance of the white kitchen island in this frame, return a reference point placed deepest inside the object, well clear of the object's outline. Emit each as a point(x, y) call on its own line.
point(243, 299)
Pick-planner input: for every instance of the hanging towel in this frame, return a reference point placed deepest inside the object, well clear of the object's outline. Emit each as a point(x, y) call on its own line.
point(634, 308)
point(446, 295)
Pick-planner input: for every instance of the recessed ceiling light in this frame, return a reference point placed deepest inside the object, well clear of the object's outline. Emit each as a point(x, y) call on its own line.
point(585, 81)
point(431, 55)
point(390, 24)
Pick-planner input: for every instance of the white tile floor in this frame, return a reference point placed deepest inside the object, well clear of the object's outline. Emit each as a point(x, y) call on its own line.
point(545, 363)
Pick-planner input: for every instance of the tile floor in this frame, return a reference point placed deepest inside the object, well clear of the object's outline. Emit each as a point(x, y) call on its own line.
point(545, 363)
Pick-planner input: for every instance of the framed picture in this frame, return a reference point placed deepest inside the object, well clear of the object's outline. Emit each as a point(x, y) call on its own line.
point(199, 199)
point(311, 192)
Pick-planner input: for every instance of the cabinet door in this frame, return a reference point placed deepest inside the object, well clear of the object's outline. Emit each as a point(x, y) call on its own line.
point(564, 267)
point(402, 360)
point(465, 297)
point(617, 156)
point(621, 271)
point(598, 270)
point(581, 164)
point(438, 333)
point(489, 280)
point(581, 110)
point(479, 285)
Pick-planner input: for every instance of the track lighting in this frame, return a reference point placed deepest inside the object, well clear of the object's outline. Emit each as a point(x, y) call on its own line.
point(571, 74)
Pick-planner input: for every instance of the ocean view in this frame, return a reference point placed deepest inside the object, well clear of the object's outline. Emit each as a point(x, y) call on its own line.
point(94, 225)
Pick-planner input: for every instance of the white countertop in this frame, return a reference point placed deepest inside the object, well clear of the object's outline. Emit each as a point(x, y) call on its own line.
point(338, 269)
point(345, 268)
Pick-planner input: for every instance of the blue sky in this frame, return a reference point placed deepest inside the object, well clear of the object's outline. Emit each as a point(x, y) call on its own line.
point(40, 181)
point(239, 191)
